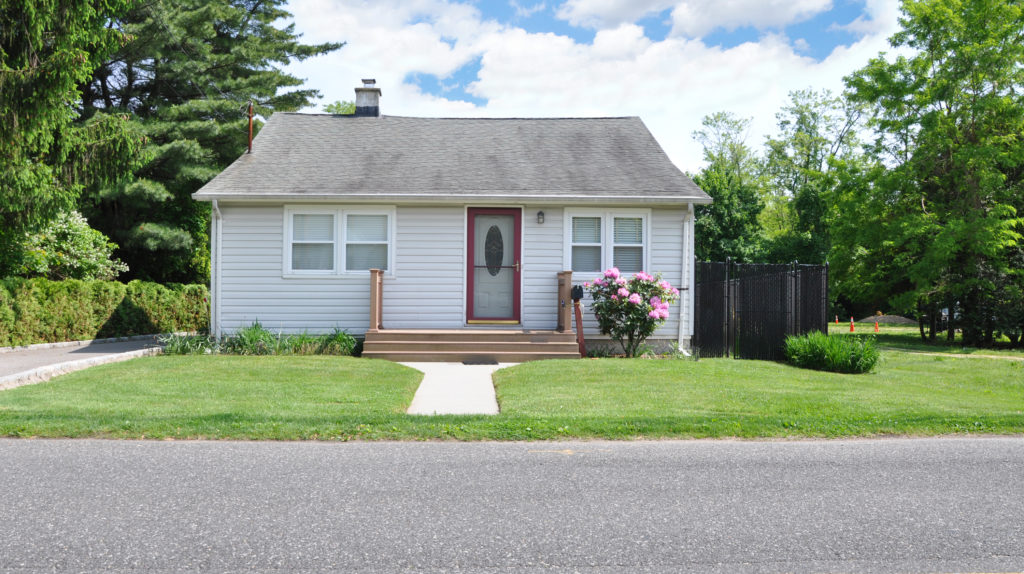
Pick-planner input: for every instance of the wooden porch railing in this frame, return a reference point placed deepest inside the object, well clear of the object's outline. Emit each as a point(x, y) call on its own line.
point(376, 300)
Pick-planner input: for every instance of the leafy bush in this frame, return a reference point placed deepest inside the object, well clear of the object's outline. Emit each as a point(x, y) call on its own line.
point(257, 340)
point(629, 310)
point(43, 311)
point(67, 248)
point(837, 353)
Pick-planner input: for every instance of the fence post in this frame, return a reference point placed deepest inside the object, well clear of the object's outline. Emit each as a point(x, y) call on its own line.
point(727, 327)
point(564, 301)
point(792, 314)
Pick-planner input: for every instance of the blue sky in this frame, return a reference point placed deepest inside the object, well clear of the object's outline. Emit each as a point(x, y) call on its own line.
point(671, 62)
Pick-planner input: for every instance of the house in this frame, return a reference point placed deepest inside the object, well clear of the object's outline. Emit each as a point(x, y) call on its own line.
point(469, 221)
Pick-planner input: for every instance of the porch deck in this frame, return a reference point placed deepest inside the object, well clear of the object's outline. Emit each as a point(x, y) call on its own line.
point(470, 345)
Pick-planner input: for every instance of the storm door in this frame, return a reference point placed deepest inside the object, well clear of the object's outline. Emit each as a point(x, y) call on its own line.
point(494, 265)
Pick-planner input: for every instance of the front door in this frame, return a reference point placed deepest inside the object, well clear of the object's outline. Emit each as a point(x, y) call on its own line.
point(494, 265)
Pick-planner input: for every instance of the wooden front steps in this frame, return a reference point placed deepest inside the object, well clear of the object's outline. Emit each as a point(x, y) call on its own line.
point(470, 345)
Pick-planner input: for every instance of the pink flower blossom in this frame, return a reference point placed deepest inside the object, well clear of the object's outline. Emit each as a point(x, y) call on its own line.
point(654, 314)
point(675, 291)
point(599, 282)
point(644, 276)
point(586, 284)
point(635, 298)
point(615, 297)
point(620, 281)
point(655, 301)
point(612, 273)
point(665, 285)
point(623, 292)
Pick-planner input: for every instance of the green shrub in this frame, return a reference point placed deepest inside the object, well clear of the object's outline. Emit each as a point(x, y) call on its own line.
point(175, 344)
point(257, 340)
point(837, 353)
point(252, 340)
point(43, 311)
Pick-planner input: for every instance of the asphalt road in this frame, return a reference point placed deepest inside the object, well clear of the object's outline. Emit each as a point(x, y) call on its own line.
point(934, 505)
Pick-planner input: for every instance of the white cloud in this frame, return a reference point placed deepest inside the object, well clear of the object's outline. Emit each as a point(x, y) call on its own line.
point(697, 18)
point(526, 11)
point(610, 13)
point(693, 18)
point(670, 84)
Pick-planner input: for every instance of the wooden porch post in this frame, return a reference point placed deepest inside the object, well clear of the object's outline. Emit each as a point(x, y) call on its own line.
point(376, 300)
point(564, 301)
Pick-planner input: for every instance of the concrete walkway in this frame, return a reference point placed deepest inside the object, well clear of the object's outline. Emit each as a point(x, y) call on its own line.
point(37, 363)
point(455, 389)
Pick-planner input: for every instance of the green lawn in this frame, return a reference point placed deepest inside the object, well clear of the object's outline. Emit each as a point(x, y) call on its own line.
point(908, 338)
point(339, 398)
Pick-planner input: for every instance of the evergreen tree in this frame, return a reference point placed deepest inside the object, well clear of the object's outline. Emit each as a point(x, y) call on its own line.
point(187, 78)
point(46, 49)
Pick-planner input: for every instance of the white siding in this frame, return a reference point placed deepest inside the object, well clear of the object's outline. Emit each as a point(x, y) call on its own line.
point(542, 260)
point(666, 252)
point(426, 289)
point(253, 289)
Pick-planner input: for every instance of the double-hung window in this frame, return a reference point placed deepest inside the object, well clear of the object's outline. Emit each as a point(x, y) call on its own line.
point(585, 237)
point(332, 241)
point(366, 241)
point(597, 240)
point(312, 242)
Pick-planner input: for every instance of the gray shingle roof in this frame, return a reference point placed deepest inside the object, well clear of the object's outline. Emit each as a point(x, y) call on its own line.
point(299, 156)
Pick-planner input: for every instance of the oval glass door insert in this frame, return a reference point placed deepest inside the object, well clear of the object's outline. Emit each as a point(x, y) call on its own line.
point(494, 250)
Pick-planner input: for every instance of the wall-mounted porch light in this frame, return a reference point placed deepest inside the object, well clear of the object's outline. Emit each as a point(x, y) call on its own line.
point(540, 217)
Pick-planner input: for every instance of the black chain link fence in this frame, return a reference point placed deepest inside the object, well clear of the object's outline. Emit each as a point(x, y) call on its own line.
point(746, 310)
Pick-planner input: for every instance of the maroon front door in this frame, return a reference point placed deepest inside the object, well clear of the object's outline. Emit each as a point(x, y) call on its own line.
point(494, 265)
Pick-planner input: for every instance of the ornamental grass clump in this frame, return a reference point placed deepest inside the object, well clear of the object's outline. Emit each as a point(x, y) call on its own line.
point(837, 353)
point(630, 310)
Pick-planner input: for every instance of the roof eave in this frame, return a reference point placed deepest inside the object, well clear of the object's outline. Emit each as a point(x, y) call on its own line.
point(406, 198)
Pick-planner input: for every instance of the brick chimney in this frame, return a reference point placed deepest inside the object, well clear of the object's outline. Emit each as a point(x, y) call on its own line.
point(368, 100)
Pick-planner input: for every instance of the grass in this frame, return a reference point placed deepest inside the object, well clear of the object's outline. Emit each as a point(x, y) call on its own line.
point(200, 396)
point(341, 398)
point(908, 338)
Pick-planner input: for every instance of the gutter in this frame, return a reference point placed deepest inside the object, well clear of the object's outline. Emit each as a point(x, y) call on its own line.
point(419, 198)
point(216, 234)
point(687, 279)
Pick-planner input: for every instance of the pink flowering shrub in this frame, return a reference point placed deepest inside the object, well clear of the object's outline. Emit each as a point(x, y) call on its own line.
point(629, 310)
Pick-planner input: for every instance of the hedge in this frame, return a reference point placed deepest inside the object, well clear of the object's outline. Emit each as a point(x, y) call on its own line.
point(44, 311)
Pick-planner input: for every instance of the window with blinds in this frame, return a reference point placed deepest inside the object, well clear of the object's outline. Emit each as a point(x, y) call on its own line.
point(628, 244)
point(598, 240)
point(586, 244)
point(366, 242)
point(312, 246)
point(328, 242)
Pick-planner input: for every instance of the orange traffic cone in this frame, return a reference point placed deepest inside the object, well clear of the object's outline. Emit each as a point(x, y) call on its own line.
point(837, 319)
point(851, 324)
point(876, 326)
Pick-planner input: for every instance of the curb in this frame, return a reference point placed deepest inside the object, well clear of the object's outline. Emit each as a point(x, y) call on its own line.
point(42, 374)
point(86, 342)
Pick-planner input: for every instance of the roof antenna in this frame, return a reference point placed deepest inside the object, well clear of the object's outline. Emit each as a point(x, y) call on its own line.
point(250, 126)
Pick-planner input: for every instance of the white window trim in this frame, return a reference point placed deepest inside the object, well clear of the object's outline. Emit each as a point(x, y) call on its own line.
point(607, 216)
point(386, 211)
point(289, 216)
point(340, 214)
